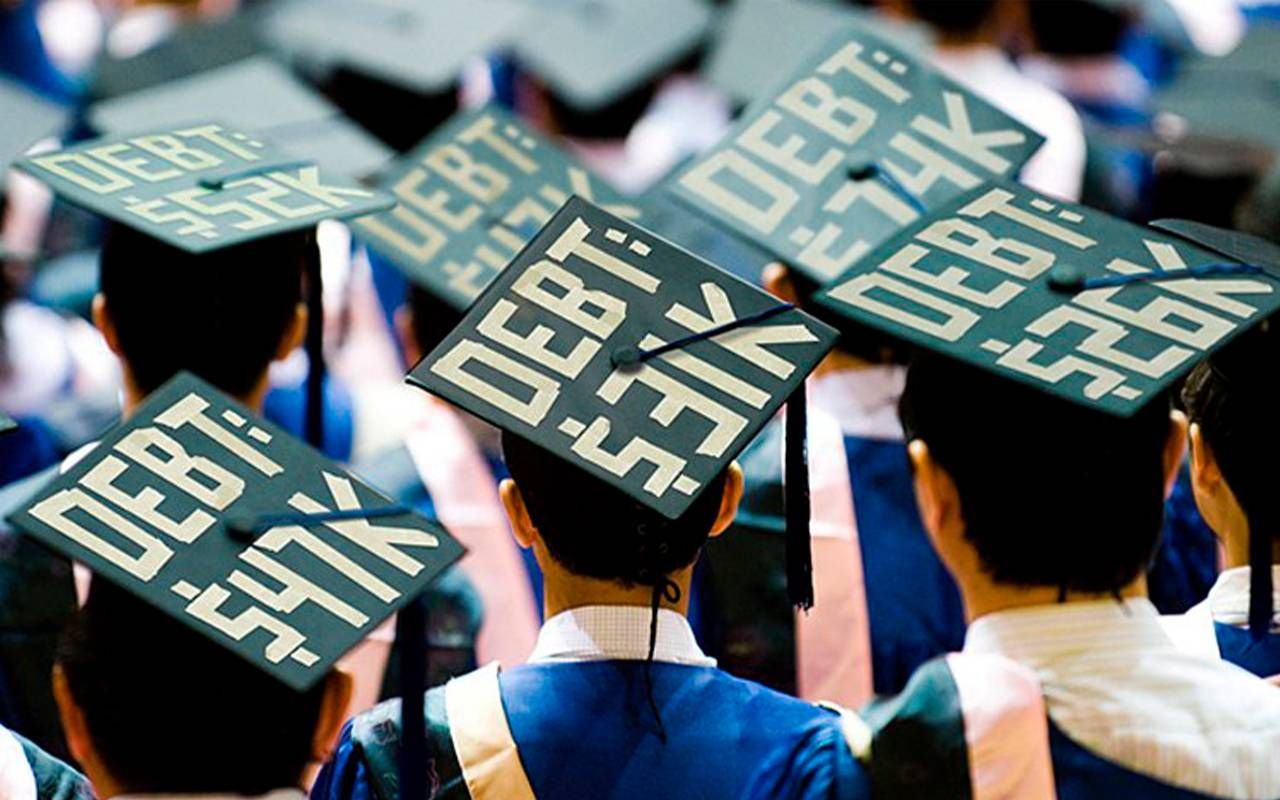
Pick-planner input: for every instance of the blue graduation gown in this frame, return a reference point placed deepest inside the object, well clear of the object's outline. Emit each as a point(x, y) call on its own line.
point(585, 730)
point(920, 749)
point(913, 605)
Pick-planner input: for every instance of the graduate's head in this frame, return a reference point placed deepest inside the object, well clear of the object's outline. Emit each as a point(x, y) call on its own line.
point(592, 530)
point(1021, 491)
point(224, 315)
point(151, 707)
point(1235, 435)
point(1078, 28)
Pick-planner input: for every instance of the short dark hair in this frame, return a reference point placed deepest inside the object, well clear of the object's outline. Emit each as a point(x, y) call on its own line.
point(595, 530)
point(1052, 493)
point(221, 315)
point(1232, 397)
point(954, 16)
point(170, 712)
point(1078, 27)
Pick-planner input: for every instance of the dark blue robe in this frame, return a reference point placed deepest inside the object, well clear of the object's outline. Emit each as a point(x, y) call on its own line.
point(585, 730)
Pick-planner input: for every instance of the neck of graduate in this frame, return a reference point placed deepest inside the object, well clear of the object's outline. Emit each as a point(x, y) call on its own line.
point(564, 591)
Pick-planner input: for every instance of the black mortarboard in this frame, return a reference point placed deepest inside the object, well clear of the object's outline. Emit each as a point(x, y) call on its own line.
point(213, 515)
point(635, 361)
point(1079, 305)
point(863, 140)
point(471, 196)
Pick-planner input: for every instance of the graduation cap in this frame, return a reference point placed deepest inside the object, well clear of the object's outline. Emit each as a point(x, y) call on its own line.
point(1233, 105)
point(1070, 301)
point(590, 53)
point(255, 541)
point(636, 362)
point(471, 196)
point(205, 186)
point(193, 48)
point(759, 42)
point(861, 141)
point(418, 46)
point(1241, 365)
point(254, 94)
point(28, 118)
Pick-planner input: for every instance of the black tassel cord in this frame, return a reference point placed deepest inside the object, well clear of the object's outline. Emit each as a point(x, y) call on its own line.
point(796, 502)
point(1261, 608)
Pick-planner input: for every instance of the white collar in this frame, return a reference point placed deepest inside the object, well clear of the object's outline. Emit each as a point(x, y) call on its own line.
point(1229, 597)
point(617, 633)
point(864, 401)
point(1034, 635)
point(1116, 684)
point(278, 794)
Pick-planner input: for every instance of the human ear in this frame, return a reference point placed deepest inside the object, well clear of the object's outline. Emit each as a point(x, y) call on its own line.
point(103, 322)
point(776, 279)
point(404, 332)
point(294, 333)
point(1175, 449)
point(517, 513)
point(729, 499)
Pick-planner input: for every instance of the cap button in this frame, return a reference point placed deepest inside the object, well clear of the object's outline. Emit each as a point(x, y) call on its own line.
point(1066, 279)
point(626, 357)
point(861, 166)
point(241, 527)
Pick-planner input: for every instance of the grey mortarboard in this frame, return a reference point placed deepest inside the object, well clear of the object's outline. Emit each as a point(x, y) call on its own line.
point(205, 186)
point(758, 43)
point(28, 118)
point(861, 141)
point(591, 53)
point(192, 48)
point(471, 196)
point(636, 362)
point(420, 46)
point(254, 94)
point(255, 541)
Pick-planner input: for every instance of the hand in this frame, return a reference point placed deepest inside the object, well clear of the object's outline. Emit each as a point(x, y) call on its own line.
point(1274, 680)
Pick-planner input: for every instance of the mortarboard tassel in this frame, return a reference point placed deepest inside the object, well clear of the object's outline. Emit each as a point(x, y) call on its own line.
point(411, 634)
point(1260, 598)
point(314, 425)
point(796, 503)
